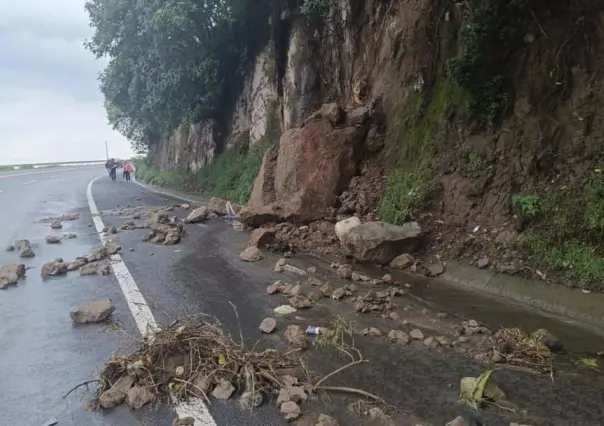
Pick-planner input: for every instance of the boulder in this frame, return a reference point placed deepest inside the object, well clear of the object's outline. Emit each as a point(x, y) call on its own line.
point(139, 396)
point(198, 215)
point(24, 248)
point(53, 239)
point(380, 242)
point(251, 254)
point(11, 274)
point(343, 227)
point(93, 312)
point(402, 261)
point(54, 268)
point(313, 165)
point(262, 237)
point(268, 325)
point(290, 410)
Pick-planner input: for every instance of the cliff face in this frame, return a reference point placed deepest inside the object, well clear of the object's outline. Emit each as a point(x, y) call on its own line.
point(424, 154)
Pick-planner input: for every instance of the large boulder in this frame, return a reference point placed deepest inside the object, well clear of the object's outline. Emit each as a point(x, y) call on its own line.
point(380, 242)
point(198, 215)
point(93, 312)
point(11, 274)
point(313, 164)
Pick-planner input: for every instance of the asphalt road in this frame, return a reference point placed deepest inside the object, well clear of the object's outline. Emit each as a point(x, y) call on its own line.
point(43, 355)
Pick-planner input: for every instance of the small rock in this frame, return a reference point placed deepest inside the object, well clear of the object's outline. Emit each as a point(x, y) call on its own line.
point(483, 262)
point(462, 339)
point(131, 249)
point(70, 235)
point(111, 230)
point(313, 296)
point(262, 238)
point(416, 334)
point(311, 270)
point(403, 261)
point(268, 325)
point(338, 293)
point(436, 269)
point(345, 272)
point(11, 274)
point(325, 420)
point(274, 287)
point(94, 312)
point(472, 323)
point(56, 224)
point(398, 336)
point(326, 290)
point(117, 394)
point(377, 414)
point(442, 340)
point(284, 310)
point(89, 269)
point(394, 316)
point(223, 390)
point(186, 421)
point(299, 302)
point(296, 336)
point(441, 315)
point(251, 254)
point(529, 38)
point(387, 279)
point(53, 239)
point(10, 247)
point(371, 331)
point(548, 339)
point(24, 247)
point(496, 356)
point(431, 342)
point(296, 290)
point(201, 385)
point(290, 410)
point(138, 396)
point(282, 262)
point(292, 393)
point(458, 421)
point(249, 400)
point(54, 268)
point(198, 215)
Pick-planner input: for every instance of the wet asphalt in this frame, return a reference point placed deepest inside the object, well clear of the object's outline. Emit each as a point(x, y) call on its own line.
point(44, 355)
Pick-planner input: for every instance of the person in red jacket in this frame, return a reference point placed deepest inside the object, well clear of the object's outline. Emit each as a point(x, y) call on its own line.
point(128, 169)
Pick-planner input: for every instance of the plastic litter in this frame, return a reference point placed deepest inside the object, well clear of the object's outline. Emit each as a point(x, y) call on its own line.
point(313, 330)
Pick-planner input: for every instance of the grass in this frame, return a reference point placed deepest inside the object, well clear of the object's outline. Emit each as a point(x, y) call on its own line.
point(413, 135)
point(566, 234)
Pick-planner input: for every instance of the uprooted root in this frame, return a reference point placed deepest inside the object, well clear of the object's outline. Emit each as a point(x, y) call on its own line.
point(524, 349)
point(196, 348)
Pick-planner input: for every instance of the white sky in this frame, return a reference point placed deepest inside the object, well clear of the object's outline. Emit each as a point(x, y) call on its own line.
point(50, 106)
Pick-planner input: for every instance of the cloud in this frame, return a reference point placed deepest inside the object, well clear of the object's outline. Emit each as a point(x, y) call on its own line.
point(50, 105)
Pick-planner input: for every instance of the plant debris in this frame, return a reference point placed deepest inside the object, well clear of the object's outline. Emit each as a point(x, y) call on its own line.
point(474, 391)
point(520, 348)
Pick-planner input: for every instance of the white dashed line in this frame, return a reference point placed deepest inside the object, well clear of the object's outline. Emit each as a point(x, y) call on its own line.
point(29, 182)
point(145, 321)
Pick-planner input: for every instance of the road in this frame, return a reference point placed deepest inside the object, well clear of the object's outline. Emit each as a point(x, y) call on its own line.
point(44, 355)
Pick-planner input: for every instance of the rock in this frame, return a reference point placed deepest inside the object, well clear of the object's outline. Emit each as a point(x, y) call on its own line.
point(496, 356)
point(158, 218)
point(70, 235)
point(91, 268)
point(483, 262)
point(93, 312)
point(117, 393)
point(224, 390)
point(343, 227)
point(431, 342)
point(198, 215)
point(56, 224)
point(218, 206)
point(472, 323)
point(54, 268)
point(394, 316)
point(398, 336)
point(442, 340)
point(387, 279)
point(111, 230)
point(345, 272)
point(292, 393)
point(296, 336)
point(371, 331)
point(458, 421)
point(325, 420)
point(377, 415)
point(313, 165)
point(284, 310)
point(24, 247)
point(549, 340)
point(296, 290)
point(381, 242)
point(290, 410)
point(294, 270)
point(268, 325)
point(201, 385)
point(416, 334)
point(186, 421)
point(275, 287)
point(249, 400)
point(359, 277)
point(251, 254)
point(262, 237)
point(436, 269)
point(11, 274)
point(138, 396)
point(402, 261)
point(10, 247)
point(238, 226)
point(289, 380)
point(53, 239)
point(300, 302)
point(506, 237)
point(338, 293)
point(326, 290)
point(313, 296)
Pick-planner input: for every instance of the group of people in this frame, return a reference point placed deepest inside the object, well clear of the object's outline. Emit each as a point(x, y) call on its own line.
point(111, 166)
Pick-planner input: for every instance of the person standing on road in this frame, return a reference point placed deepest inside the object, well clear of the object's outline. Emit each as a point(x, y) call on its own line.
point(128, 169)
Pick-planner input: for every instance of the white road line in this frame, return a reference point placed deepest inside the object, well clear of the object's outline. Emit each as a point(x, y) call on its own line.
point(29, 182)
point(145, 321)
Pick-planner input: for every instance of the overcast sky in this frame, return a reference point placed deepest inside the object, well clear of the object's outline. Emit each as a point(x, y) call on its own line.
point(50, 105)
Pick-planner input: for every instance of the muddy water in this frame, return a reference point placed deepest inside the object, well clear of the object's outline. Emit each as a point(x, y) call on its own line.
point(492, 310)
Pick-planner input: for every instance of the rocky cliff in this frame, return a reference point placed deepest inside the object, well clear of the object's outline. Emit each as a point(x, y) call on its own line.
point(478, 119)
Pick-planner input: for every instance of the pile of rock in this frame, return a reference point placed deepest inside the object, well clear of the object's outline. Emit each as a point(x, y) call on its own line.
point(165, 230)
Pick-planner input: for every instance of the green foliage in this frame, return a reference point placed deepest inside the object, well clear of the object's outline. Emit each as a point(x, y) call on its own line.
point(529, 206)
point(413, 133)
point(316, 8)
point(169, 59)
point(493, 29)
point(473, 163)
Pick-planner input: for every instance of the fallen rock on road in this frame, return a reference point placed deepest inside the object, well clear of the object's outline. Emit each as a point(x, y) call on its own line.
point(24, 247)
point(251, 254)
point(198, 215)
point(54, 268)
point(53, 239)
point(93, 312)
point(11, 274)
